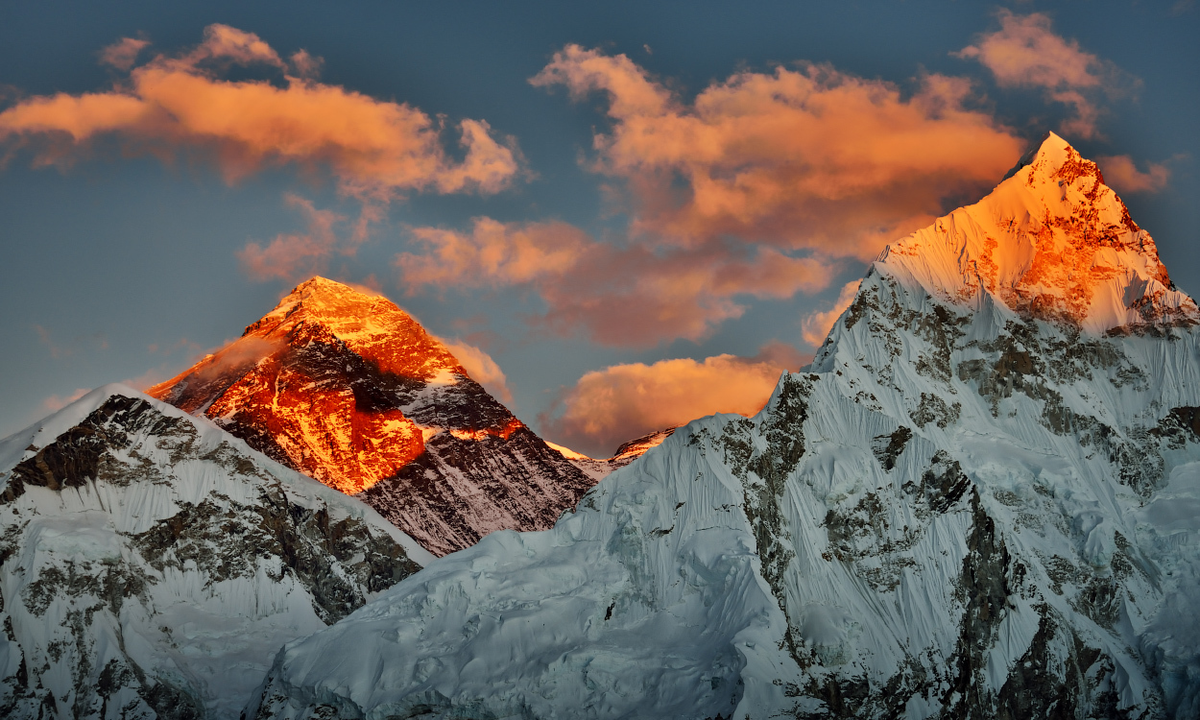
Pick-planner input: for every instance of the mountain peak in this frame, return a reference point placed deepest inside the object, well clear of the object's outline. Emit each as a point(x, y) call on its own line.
point(349, 389)
point(1051, 242)
point(369, 324)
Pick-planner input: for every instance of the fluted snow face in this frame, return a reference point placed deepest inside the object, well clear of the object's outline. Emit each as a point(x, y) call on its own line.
point(1051, 242)
point(978, 503)
point(151, 564)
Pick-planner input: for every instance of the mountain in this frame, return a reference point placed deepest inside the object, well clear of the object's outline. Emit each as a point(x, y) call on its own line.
point(347, 388)
point(982, 500)
point(628, 452)
point(151, 564)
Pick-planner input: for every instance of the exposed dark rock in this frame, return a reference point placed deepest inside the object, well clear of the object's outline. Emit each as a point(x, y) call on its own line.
point(888, 447)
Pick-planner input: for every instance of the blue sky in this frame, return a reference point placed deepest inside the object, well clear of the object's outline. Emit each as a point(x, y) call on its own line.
point(595, 236)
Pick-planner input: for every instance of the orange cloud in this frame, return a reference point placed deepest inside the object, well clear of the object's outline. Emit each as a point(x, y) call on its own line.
point(494, 253)
point(633, 295)
point(481, 367)
point(294, 256)
point(1024, 52)
point(812, 158)
point(373, 148)
point(54, 403)
point(123, 54)
point(816, 326)
point(1121, 173)
point(610, 406)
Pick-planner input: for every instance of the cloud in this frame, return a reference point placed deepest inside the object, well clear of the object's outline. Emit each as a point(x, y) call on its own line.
point(1121, 173)
point(295, 256)
point(494, 253)
point(610, 406)
point(1024, 52)
point(816, 326)
point(54, 403)
point(616, 295)
point(123, 53)
point(782, 355)
point(374, 149)
point(481, 367)
point(804, 159)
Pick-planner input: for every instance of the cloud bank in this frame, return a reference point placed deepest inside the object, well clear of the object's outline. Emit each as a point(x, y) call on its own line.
point(610, 406)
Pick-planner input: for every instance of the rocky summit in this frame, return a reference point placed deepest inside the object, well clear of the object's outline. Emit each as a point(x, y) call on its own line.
point(347, 388)
point(981, 500)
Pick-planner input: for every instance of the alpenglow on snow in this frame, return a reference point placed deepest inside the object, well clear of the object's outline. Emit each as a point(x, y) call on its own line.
point(982, 500)
point(349, 389)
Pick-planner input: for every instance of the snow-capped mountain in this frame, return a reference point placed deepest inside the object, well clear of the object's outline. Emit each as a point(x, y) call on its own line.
point(598, 469)
point(151, 564)
point(981, 501)
point(347, 388)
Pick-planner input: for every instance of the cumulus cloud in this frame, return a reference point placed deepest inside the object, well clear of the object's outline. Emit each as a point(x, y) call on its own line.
point(617, 295)
point(481, 367)
point(816, 326)
point(373, 148)
point(1121, 173)
point(610, 406)
point(1025, 52)
point(808, 158)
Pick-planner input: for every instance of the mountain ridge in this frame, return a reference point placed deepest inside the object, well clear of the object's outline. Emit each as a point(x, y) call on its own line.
point(970, 505)
point(151, 563)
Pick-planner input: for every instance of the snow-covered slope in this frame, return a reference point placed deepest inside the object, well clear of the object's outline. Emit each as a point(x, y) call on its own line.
point(349, 389)
point(151, 564)
point(981, 502)
point(599, 469)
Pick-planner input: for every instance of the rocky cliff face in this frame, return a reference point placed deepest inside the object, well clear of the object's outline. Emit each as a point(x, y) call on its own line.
point(347, 388)
point(981, 502)
point(151, 564)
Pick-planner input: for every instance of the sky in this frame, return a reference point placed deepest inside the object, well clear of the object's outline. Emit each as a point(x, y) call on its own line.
point(620, 216)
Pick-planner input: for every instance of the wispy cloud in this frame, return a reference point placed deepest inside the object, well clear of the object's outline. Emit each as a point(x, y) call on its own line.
point(816, 326)
point(123, 54)
point(1122, 174)
point(610, 406)
point(481, 367)
point(1025, 52)
point(295, 256)
point(54, 403)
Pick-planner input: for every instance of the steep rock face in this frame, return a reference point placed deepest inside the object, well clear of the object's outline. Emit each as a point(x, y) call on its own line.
point(151, 564)
point(977, 504)
point(347, 388)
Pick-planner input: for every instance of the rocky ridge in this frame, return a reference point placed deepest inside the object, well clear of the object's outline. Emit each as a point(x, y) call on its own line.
point(345, 387)
point(980, 501)
point(151, 564)
point(627, 452)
